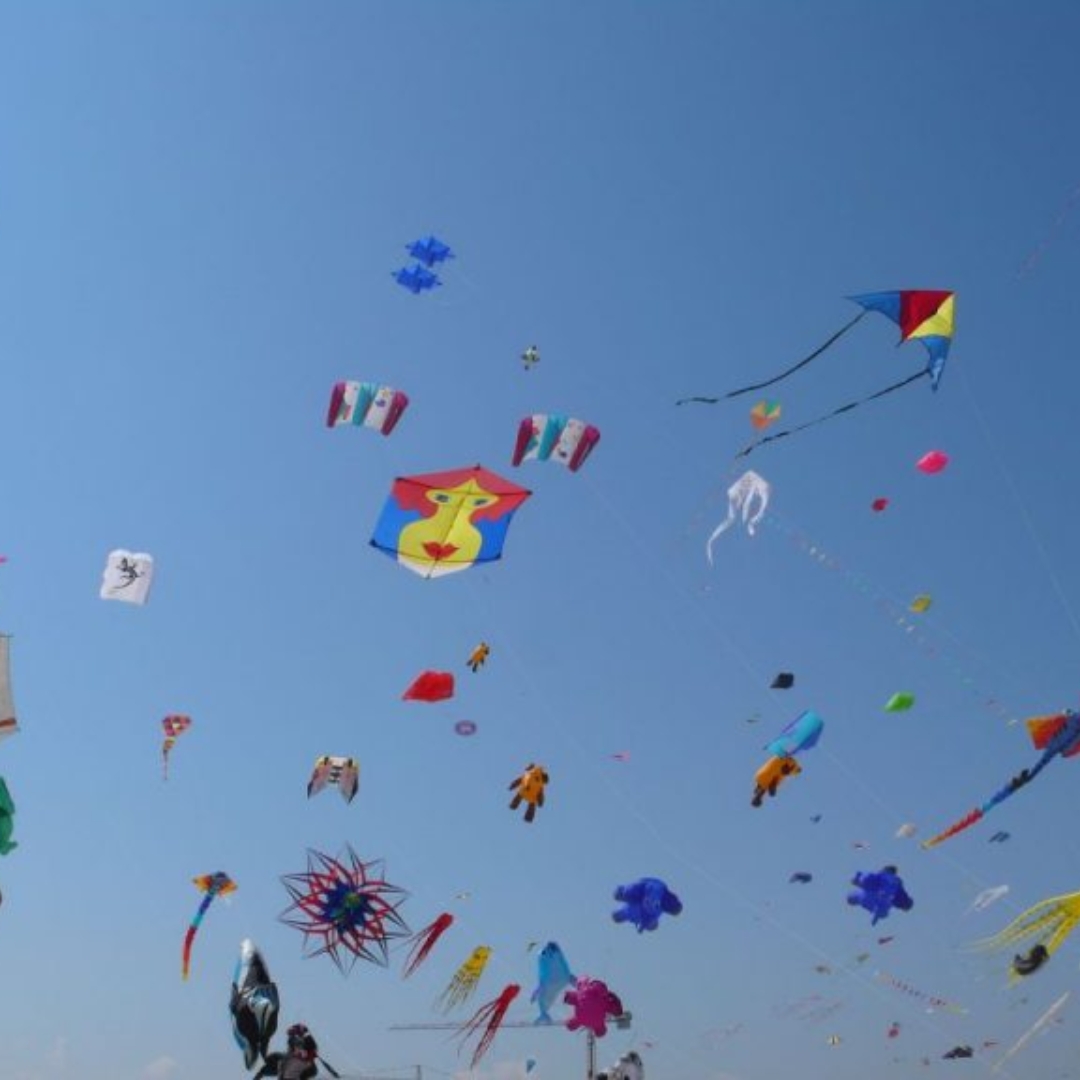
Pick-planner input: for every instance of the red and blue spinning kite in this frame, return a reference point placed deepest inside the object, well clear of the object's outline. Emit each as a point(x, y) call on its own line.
point(924, 315)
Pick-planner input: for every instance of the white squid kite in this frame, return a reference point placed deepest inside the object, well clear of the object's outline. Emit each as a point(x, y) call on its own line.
point(748, 497)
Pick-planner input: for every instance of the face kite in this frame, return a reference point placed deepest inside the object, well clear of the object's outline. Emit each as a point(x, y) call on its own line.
point(439, 523)
point(345, 909)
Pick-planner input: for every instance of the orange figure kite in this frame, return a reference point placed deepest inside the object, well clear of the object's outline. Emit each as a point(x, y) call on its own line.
point(529, 788)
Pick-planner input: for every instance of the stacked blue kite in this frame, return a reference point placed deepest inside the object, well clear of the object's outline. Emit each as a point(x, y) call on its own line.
point(419, 277)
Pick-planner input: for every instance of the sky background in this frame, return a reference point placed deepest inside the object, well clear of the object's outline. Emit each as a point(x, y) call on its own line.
point(201, 205)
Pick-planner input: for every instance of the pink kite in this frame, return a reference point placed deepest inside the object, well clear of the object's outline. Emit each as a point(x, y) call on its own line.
point(932, 462)
point(592, 1003)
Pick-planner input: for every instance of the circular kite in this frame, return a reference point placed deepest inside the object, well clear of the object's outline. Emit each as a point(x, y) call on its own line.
point(345, 908)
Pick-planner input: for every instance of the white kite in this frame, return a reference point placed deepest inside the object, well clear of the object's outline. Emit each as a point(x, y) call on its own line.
point(987, 897)
point(127, 576)
point(343, 771)
point(748, 497)
point(8, 724)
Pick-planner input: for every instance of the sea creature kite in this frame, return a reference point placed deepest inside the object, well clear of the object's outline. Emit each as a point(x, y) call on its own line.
point(416, 278)
point(748, 497)
point(1057, 735)
point(801, 734)
point(462, 986)
point(172, 728)
point(478, 657)
point(213, 885)
point(644, 901)
point(7, 820)
point(879, 892)
point(1046, 925)
point(553, 976)
point(925, 315)
point(592, 1003)
point(345, 906)
point(254, 1004)
point(342, 771)
point(529, 788)
point(439, 523)
point(128, 576)
point(423, 941)
point(489, 1017)
point(366, 404)
point(8, 724)
point(547, 437)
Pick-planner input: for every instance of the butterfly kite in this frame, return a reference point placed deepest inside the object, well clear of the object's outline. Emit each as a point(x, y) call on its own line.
point(924, 315)
point(1057, 736)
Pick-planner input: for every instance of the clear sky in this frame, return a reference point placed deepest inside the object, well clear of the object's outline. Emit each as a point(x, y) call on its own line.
point(200, 208)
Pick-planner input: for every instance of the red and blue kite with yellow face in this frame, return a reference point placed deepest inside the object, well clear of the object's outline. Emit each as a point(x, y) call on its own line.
point(924, 315)
point(438, 523)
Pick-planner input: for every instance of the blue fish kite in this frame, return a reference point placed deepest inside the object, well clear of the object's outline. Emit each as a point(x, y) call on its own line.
point(553, 977)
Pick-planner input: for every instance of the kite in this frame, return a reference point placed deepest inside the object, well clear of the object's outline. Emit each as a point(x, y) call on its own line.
point(7, 820)
point(999, 837)
point(490, 1018)
point(416, 278)
point(345, 905)
point(592, 1003)
point(430, 686)
point(920, 604)
point(987, 897)
point(553, 976)
point(932, 462)
point(172, 727)
point(834, 1040)
point(1034, 1029)
point(462, 986)
point(924, 315)
point(628, 1067)
point(423, 941)
point(529, 357)
point(1056, 735)
point(301, 1058)
point(893, 1030)
point(1046, 925)
point(478, 657)
point(465, 727)
point(127, 576)
point(219, 884)
point(764, 414)
point(801, 734)
point(879, 892)
point(439, 523)
point(800, 877)
point(878, 505)
point(958, 1052)
point(784, 681)
point(547, 437)
point(343, 771)
point(8, 724)
point(748, 496)
point(644, 901)
point(254, 1004)
point(366, 404)
point(905, 831)
point(930, 999)
point(900, 702)
point(529, 787)
point(429, 250)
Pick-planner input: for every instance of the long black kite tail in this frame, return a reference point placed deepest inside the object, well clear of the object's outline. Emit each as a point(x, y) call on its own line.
point(829, 416)
point(801, 364)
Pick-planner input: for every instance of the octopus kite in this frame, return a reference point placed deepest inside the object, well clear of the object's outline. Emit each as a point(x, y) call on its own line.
point(345, 905)
point(529, 788)
point(423, 941)
point(1046, 925)
point(490, 1018)
point(463, 984)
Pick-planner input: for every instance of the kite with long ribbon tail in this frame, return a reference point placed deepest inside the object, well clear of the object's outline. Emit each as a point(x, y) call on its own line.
point(1046, 925)
point(219, 884)
point(489, 1017)
point(423, 941)
point(1056, 735)
point(925, 315)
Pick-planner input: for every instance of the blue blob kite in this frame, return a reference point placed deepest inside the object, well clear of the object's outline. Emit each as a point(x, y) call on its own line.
point(429, 250)
point(644, 901)
point(879, 892)
point(416, 278)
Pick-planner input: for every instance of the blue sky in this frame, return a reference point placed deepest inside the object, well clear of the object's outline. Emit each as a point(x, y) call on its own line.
point(202, 204)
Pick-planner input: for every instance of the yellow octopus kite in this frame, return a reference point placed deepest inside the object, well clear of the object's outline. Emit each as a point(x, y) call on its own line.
point(465, 979)
point(1048, 924)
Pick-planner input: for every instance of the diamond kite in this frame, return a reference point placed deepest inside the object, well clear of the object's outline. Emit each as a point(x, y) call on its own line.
point(439, 523)
point(345, 906)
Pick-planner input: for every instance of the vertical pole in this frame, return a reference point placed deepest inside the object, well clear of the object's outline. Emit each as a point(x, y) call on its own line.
point(590, 1056)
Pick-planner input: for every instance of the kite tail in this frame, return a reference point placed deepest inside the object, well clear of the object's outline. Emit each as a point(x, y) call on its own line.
point(490, 1017)
point(801, 364)
point(830, 415)
point(964, 823)
point(189, 937)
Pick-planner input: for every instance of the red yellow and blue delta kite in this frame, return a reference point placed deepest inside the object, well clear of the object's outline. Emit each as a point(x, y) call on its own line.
point(924, 315)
